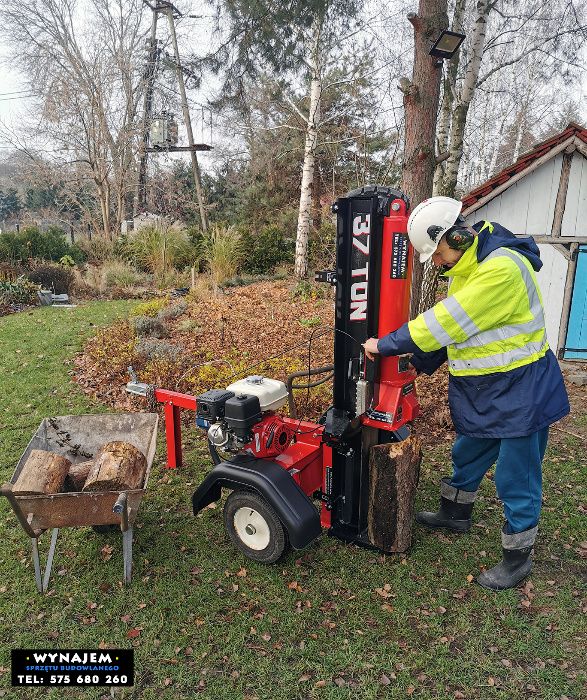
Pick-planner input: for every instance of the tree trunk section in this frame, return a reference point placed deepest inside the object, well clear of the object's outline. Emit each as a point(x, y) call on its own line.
point(117, 466)
point(421, 97)
point(394, 469)
point(43, 472)
point(77, 475)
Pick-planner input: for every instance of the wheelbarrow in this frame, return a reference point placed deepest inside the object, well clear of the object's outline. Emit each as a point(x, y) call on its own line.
point(78, 438)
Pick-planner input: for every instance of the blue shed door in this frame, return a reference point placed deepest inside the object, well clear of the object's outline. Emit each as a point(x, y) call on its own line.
point(576, 345)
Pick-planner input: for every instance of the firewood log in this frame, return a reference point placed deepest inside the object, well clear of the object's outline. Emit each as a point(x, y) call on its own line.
point(77, 475)
point(43, 472)
point(394, 469)
point(117, 466)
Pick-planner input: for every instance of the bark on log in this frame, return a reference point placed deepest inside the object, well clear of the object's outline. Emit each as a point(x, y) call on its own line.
point(394, 469)
point(43, 472)
point(117, 466)
point(77, 475)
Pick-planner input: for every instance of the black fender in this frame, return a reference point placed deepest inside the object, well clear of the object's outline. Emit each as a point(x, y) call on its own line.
point(295, 510)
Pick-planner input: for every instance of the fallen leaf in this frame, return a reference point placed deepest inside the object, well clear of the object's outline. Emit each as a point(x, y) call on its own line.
point(340, 682)
point(242, 572)
point(384, 680)
point(133, 633)
point(470, 577)
point(320, 684)
point(303, 678)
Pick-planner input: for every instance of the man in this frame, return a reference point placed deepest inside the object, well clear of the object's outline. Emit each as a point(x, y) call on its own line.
point(505, 385)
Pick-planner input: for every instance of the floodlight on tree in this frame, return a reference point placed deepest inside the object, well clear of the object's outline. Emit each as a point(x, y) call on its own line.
point(447, 44)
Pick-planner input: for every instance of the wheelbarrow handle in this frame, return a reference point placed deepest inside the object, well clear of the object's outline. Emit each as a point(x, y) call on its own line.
point(6, 490)
point(120, 508)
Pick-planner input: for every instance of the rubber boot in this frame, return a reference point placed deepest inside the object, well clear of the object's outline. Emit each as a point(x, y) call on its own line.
point(455, 510)
point(516, 563)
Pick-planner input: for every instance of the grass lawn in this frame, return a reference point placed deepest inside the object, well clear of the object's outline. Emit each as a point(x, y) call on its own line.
point(330, 622)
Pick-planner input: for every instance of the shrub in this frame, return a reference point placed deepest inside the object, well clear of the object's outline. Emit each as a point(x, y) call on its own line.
point(262, 251)
point(308, 291)
point(169, 313)
point(117, 273)
point(149, 308)
point(152, 349)
point(144, 326)
point(158, 247)
point(97, 250)
point(10, 271)
point(19, 291)
point(322, 248)
point(111, 350)
point(221, 251)
point(33, 243)
point(57, 278)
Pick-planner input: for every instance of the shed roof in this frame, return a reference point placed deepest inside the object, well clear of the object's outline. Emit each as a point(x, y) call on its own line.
point(524, 162)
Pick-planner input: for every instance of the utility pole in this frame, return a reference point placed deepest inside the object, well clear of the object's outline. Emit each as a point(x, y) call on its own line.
point(141, 197)
point(167, 8)
point(188, 122)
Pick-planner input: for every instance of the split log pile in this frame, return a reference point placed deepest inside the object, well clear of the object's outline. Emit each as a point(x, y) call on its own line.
point(117, 466)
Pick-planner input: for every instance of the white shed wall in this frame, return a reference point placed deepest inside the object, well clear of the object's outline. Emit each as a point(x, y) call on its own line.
point(551, 279)
point(575, 216)
point(527, 206)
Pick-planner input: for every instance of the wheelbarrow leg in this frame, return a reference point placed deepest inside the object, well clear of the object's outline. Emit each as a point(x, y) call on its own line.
point(42, 580)
point(49, 564)
point(127, 554)
point(37, 564)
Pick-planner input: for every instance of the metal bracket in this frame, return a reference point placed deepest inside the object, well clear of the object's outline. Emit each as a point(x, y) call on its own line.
point(328, 276)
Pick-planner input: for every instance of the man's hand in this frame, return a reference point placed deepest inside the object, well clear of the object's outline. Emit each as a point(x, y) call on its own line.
point(371, 348)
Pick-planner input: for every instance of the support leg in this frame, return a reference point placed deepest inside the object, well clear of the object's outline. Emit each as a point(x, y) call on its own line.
point(50, 556)
point(127, 554)
point(37, 564)
point(173, 435)
point(42, 578)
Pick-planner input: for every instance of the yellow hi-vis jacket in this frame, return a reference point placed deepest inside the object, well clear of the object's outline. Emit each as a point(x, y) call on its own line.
point(493, 318)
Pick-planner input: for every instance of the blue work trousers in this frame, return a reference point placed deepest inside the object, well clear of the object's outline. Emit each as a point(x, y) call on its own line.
point(518, 473)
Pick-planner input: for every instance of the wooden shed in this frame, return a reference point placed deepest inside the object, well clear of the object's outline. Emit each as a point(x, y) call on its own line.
point(544, 195)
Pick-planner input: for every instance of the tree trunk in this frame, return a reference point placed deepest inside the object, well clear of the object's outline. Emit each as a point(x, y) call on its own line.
point(421, 96)
point(448, 183)
point(449, 89)
point(305, 211)
point(459, 120)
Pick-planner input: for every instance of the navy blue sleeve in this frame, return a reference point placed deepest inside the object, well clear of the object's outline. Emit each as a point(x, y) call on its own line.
point(397, 343)
point(428, 362)
point(400, 342)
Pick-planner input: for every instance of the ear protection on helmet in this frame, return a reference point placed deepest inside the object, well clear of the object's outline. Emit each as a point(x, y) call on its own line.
point(459, 238)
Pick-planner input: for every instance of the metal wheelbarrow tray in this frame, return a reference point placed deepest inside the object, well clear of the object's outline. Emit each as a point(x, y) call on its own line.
point(76, 437)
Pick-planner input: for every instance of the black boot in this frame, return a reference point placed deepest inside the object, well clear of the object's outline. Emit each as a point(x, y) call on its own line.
point(455, 509)
point(515, 565)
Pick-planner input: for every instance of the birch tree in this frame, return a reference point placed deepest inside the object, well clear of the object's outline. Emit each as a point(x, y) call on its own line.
point(296, 41)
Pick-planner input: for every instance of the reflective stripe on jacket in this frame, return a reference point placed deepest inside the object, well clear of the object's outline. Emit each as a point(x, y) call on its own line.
point(493, 318)
point(500, 403)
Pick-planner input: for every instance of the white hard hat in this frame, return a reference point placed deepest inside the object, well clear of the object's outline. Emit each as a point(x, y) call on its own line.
point(429, 220)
